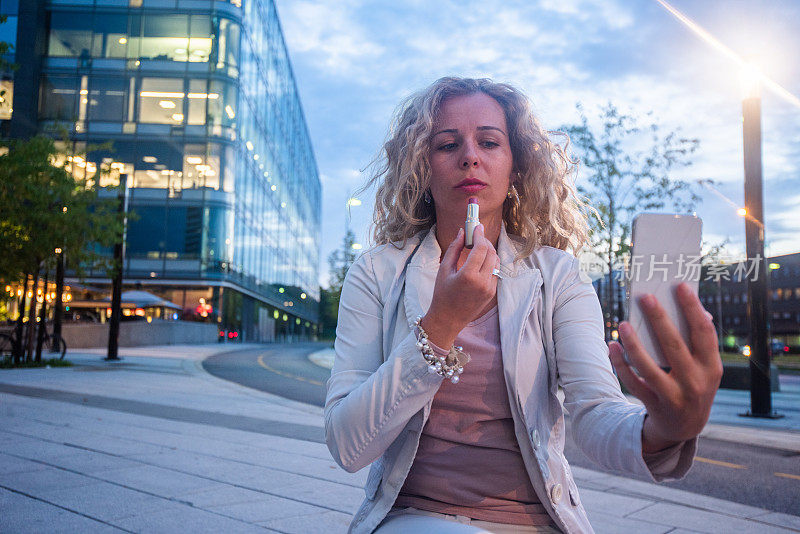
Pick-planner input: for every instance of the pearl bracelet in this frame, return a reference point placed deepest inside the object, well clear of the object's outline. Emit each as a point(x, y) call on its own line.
point(450, 366)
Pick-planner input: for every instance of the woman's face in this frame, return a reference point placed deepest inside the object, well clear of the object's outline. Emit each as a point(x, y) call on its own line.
point(470, 156)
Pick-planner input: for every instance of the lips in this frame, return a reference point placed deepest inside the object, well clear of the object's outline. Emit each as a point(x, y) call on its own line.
point(471, 184)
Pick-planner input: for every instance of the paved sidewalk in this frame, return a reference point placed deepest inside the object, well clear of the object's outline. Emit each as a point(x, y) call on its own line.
point(155, 444)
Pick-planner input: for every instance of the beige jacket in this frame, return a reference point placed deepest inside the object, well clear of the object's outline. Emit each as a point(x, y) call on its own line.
point(380, 391)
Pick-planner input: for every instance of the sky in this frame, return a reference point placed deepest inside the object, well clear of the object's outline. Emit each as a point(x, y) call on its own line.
point(354, 60)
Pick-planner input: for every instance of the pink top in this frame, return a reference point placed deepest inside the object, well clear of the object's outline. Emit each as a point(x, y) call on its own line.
point(468, 461)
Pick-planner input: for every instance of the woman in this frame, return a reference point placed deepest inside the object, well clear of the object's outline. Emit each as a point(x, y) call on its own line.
point(480, 449)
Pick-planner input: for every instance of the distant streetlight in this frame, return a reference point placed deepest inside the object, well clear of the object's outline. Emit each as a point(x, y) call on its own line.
point(357, 246)
point(760, 384)
point(351, 202)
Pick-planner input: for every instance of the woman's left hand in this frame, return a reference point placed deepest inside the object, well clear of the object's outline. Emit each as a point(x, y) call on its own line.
point(679, 402)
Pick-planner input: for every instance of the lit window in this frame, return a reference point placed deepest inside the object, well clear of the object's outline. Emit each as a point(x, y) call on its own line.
point(161, 100)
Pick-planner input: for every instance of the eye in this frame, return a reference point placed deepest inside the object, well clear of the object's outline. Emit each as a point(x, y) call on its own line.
point(490, 144)
point(448, 147)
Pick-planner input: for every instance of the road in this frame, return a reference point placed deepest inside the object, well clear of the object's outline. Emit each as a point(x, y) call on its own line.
point(739, 472)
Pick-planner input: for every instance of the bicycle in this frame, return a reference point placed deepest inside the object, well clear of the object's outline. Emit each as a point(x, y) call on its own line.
point(52, 343)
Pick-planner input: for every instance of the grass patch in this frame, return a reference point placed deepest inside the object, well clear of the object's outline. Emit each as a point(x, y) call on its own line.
point(8, 363)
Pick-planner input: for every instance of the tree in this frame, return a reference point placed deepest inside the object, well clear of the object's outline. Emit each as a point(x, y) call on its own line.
point(627, 171)
point(339, 262)
point(46, 208)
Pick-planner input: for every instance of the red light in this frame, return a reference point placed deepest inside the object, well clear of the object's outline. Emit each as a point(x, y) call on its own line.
point(785, 348)
point(236, 334)
point(230, 335)
point(222, 334)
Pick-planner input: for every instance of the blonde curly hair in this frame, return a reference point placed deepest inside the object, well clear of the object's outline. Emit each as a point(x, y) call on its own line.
point(546, 210)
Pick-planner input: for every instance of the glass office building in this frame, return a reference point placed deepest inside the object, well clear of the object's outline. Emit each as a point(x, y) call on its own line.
point(199, 101)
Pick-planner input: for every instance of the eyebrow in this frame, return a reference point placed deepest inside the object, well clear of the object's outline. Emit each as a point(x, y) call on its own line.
point(455, 131)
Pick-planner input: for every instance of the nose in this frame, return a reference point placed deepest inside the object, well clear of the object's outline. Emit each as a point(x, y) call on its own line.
point(470, 156)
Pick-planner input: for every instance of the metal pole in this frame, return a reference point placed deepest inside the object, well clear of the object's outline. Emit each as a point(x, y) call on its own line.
point(58, 308)
point(119, 265)
point(719, 311)
point(760, 392)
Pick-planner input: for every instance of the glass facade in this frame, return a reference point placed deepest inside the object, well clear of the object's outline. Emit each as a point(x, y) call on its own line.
point(200, 103)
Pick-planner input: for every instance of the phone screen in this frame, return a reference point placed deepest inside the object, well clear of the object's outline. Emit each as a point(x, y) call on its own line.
point(665, 253)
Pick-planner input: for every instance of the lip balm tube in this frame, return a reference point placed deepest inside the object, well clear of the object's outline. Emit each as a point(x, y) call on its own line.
point(472, 221)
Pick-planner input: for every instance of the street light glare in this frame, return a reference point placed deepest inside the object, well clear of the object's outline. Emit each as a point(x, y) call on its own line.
point(742, 212)
point(701, 32)
point(750, 77)
point(353, 202)
point(357, 246)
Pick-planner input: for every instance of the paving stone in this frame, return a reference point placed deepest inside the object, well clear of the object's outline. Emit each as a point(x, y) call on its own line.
point(781, 520)
point(90, 462)
point(156, 480)
point(182, 518)
point(345, 499)
point(613, 524)
point(222, 496)
point(34, 482)
point(701, 520)
point(267, 508)
point(611, 503)
point(323, 523)
point(12, 464)
point(687, 498)
point(105, 501)
point(31, 516)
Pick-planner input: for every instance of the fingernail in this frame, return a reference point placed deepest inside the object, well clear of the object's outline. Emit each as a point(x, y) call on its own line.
point(648, 301)
point(708, 314)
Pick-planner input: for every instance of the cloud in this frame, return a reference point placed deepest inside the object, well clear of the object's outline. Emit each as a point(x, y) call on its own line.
point(329, 35)
point(355, 60)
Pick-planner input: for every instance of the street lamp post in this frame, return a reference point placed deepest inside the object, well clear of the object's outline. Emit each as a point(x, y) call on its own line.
point(760, 392)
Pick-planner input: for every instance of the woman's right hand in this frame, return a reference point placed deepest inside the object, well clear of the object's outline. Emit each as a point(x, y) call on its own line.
point(460, 295)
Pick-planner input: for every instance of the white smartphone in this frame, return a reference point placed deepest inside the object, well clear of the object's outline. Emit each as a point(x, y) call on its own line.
point(665, 252)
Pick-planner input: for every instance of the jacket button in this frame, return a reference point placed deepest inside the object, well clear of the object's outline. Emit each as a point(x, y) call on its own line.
point(535, 438)
point(555, 493)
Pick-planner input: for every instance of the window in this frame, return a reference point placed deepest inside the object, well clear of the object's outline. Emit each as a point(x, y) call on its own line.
point(201, 166)
point(145, 236)
point(198, 97)
point(158, 165)
point(59, 98)
point(228, 47)
point(165, 37)
point(161, 100)
point(200, 39)
point(107, 99)
point(110, 35)
point(222, 103)
point(6, 98)
point(70, 34)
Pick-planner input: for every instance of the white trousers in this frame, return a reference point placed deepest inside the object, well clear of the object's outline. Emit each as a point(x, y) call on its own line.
point(412, 520)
